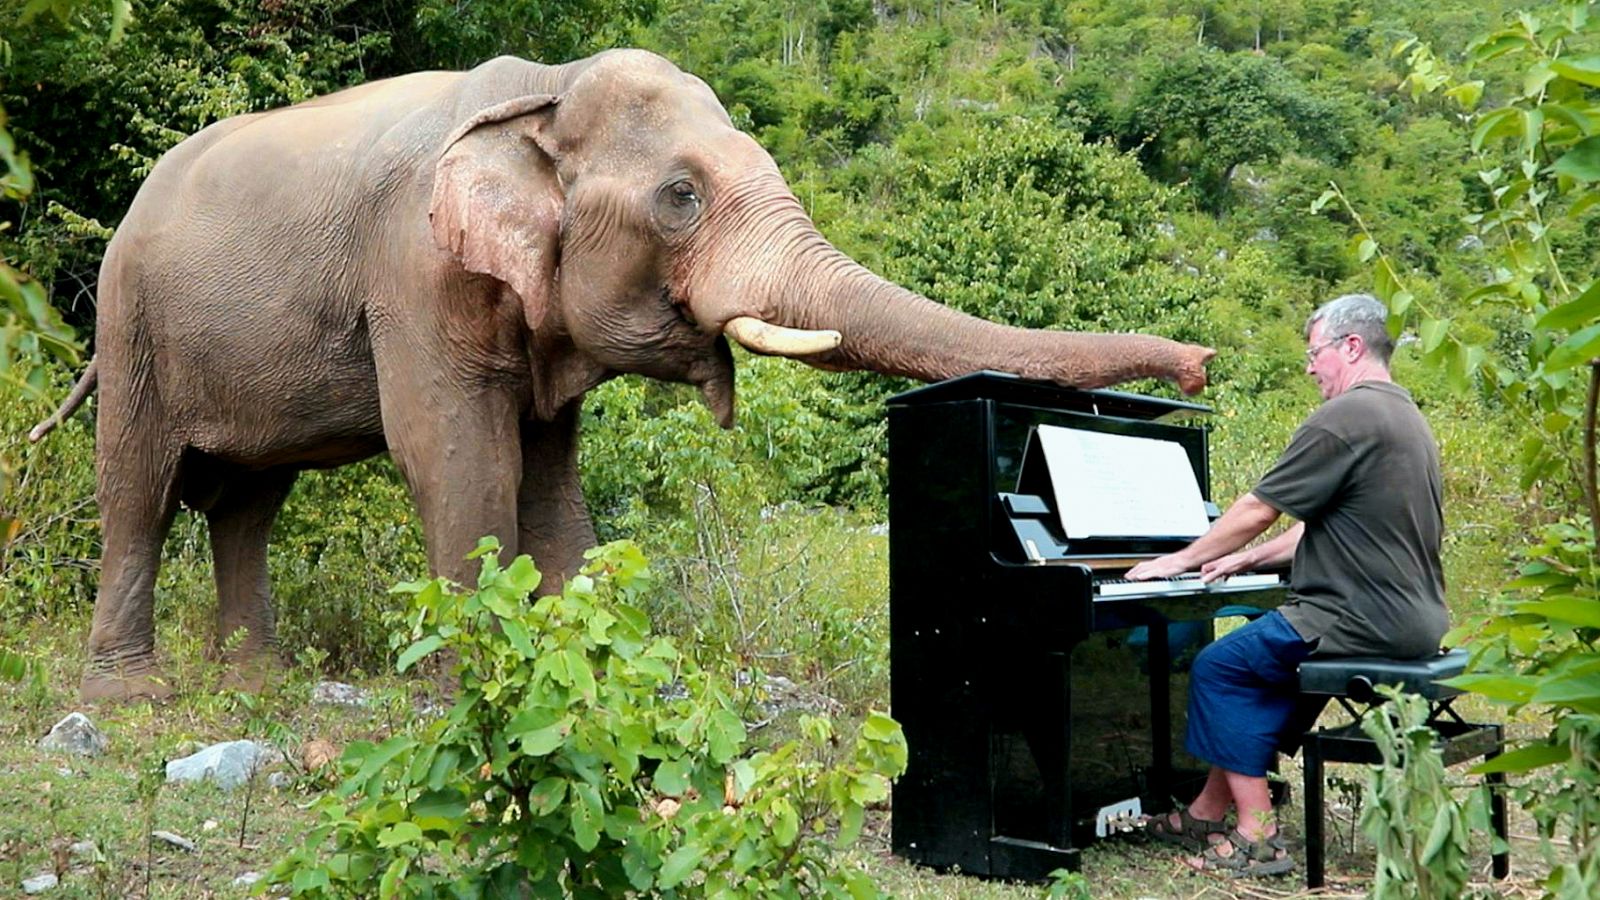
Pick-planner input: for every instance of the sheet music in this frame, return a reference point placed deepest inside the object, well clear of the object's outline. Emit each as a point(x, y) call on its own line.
point(1117, 485)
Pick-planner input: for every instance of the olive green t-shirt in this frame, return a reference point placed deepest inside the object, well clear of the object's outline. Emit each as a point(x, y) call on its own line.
point(1362, 473)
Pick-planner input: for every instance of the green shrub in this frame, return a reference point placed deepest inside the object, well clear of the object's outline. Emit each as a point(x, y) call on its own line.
point(584, 757)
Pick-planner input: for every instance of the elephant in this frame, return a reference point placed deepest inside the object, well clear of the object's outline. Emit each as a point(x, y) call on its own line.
point(440, 265)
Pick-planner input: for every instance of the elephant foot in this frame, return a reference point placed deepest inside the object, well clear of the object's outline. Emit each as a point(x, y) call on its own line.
point(252, 673)
point(125, 686)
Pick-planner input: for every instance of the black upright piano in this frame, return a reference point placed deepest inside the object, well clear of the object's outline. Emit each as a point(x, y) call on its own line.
point(1042, 697)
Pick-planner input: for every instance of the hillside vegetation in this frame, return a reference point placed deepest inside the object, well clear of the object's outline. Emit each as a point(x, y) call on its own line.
point(1160, 166)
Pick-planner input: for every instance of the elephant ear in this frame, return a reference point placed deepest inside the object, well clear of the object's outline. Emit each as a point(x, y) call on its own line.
point(497, 200)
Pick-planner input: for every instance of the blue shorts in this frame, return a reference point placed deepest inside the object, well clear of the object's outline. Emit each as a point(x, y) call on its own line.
point(1243, 690)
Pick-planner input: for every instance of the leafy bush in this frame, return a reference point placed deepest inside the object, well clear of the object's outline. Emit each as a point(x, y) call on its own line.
point(1421, 831)
point(584, 757)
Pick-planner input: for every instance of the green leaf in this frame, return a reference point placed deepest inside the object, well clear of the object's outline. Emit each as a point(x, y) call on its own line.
point(1582, 309)
point(786, 822)
point(581, 678)
point(418, 650)
point(1525, 759)
point(672, 777)
point(547, 795)
point(587, 815)
point(1577, 349)
point(393, 878)
point(1433, 333)
point(544, 741)
point(522, 575)
point(1510, 688)
point(485, 546)
point(1582, 691)
point(1583, 71)
point(517, 634)
point(399, 833)
point(1366, 249)
point(1581, 611)
point(1467, 94)
point(680, 865)
point(1494, 125)
point(725, 734)
point(372, 763)
point(1581, 161)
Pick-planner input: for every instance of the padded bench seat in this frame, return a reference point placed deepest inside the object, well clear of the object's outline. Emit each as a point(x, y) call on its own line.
point(1353, 680)
point(1356, 676)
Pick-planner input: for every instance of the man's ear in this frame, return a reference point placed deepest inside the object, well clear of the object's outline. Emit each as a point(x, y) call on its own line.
point(497, 201)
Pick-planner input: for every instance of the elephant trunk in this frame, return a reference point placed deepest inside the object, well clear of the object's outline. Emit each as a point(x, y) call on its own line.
point(885, 328)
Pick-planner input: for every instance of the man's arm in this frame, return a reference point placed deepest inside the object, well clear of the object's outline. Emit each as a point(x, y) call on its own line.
point(1277, 552)
point(1244, 521)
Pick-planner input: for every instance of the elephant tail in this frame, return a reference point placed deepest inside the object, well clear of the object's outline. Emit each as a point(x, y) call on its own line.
point(80, 392)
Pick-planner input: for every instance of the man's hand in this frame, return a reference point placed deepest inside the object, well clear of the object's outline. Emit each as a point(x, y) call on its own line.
point(1232, 564)
point(1160, 567)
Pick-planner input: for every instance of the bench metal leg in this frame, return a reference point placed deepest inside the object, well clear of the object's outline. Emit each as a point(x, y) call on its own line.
point(1311, 753)
point(1497, 807)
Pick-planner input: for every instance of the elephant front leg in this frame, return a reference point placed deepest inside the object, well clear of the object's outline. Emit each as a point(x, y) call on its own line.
point(240, 522)
point(460, 454)
point(553, 523)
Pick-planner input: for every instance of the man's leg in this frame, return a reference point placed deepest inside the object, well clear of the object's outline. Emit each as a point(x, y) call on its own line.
point(1213, 801)
point(1251, 795)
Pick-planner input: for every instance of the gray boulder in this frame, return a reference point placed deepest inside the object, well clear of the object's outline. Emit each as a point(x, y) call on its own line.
point(229, 764)
point(337, 693)
point(38, 884)
point(75, 734)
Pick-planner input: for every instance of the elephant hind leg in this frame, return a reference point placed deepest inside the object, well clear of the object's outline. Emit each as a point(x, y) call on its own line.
point(138, 497)
point(240, 520)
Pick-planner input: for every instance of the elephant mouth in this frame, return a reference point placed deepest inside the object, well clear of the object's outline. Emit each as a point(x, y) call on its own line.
point(758, 335)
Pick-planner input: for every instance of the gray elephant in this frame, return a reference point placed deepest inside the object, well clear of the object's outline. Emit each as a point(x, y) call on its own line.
point(441, 265)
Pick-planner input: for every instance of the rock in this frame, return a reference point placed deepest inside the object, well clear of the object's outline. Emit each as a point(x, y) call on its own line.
point(279, 780)
point(209, 825)
point(1265, 236)
point(247, 879)
point(1470, 244)
point(229, 764)
point(38, 884)
point(75, 734)
point(337, 693)
point(880, 530)
point(1167, 229)
point(85, 851)
point(176, 840)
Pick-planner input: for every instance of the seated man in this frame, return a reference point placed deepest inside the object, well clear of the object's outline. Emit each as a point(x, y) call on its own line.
point(1362, 477)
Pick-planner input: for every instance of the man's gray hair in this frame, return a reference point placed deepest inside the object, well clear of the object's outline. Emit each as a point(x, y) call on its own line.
point(1360, 314)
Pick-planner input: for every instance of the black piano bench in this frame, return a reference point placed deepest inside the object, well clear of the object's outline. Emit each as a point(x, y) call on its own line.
point(1351, 680)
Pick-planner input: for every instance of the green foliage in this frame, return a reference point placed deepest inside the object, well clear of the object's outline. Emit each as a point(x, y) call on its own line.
point(1534, 151)
point(1421, 831)
point(584, 757)
point(335, 548)
point(751, 563)
point(1199, 116)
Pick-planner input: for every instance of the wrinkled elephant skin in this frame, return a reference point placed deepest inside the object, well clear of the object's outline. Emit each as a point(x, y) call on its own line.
point(441, 265)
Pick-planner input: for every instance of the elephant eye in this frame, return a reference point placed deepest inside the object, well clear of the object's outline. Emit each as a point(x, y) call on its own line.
point(683, 195)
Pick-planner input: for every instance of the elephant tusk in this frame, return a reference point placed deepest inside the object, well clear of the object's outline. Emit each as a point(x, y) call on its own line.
point(775, 340)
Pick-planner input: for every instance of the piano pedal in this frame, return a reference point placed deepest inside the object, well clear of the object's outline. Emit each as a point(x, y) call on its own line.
point(1118, 818)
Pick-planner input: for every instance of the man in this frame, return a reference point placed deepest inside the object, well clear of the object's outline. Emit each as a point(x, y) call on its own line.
point(1361, 476)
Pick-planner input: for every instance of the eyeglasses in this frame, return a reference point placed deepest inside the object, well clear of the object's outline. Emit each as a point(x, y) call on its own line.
point(1311, 354)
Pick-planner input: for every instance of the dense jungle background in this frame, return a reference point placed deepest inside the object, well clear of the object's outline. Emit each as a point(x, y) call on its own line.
point(1207, 170)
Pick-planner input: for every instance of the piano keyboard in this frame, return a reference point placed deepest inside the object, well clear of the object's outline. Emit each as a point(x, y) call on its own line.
point(1122, 587)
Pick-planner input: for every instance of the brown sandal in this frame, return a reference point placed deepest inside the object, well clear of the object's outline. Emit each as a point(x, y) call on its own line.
point(1249, 859)
point(1191, 833)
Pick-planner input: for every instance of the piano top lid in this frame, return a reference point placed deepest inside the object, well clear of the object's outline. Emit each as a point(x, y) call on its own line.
point(987, 385)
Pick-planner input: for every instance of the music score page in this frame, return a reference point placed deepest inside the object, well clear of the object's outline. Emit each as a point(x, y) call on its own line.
point(1117, 485)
